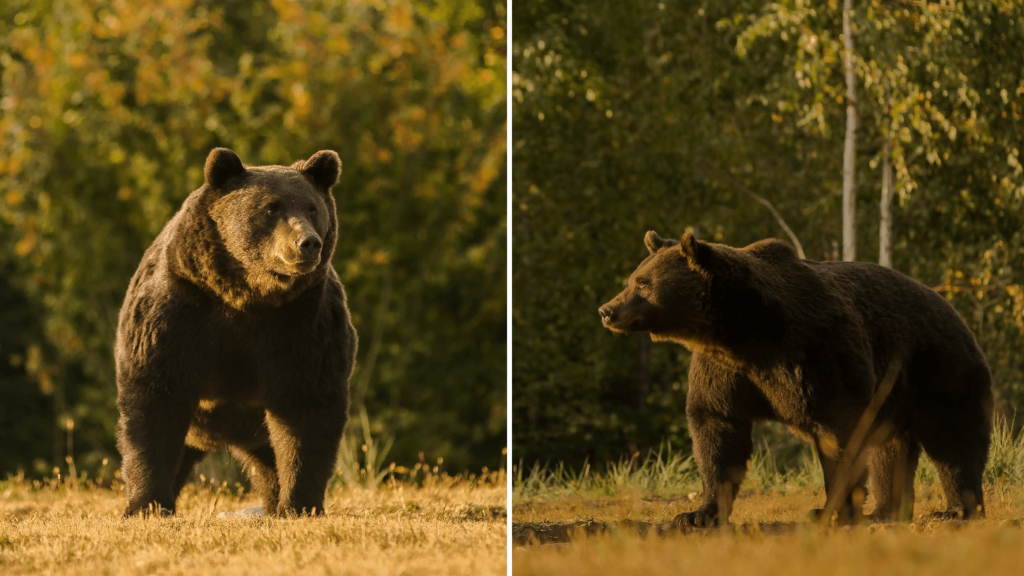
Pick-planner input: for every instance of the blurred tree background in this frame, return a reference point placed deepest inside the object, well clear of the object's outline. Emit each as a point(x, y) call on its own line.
point(676, 116)
point(107, 112)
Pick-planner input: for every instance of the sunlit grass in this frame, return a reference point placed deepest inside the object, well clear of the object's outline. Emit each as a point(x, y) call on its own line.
point(987, 547)
point(770, 534)
point(618, 521)
point(435, 524)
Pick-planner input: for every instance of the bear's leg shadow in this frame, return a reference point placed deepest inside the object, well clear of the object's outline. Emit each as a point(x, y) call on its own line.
point(722, 448)
point(189, 459)
point(849, 486)
point(261, 467)
point(892, 465)
point(153, 448)
point(305, 441)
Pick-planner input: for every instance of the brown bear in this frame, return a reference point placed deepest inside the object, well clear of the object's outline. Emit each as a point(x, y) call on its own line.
point(235, 332)
point(809, 344)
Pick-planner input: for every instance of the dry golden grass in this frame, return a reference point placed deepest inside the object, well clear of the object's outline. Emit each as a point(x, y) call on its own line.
point(773, 537)
point(446, 527)
point(978, 549)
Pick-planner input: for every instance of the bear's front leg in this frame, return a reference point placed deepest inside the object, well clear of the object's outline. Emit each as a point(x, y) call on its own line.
point(305, 439)
point(151, 439)
point(721, 447)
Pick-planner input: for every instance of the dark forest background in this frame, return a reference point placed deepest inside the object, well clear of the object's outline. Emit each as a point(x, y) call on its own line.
point(107, 113)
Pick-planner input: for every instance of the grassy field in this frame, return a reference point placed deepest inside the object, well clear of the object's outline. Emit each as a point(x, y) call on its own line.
point(619, 521)
point(447, 526)
point(769, 534)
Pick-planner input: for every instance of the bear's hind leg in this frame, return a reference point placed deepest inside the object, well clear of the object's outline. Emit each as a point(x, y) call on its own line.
point(261, 467)
point(960, 466)
point(956, 437)
point(953, 422)
point(892, 466)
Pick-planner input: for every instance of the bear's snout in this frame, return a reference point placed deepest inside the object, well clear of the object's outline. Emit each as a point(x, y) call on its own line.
point(309, 246)
point(623, 314)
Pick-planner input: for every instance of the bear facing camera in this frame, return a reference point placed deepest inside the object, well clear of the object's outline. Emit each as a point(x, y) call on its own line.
point(235, 332)
point(868, 365)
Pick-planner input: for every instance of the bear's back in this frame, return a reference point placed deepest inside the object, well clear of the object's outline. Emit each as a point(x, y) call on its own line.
point(890, 301)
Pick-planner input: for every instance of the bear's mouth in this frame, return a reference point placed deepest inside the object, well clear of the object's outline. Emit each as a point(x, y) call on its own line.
point(293, 269)
point(618, 326)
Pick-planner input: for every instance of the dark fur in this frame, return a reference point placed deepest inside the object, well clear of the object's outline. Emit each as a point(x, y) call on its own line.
point(807, 343)
point(235, 332)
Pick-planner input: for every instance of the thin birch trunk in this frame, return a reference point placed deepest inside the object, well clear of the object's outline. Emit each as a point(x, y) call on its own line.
point(885, 212)
point(849, 188)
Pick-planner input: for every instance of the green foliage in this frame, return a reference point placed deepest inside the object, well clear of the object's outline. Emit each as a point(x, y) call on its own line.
point(669, 116)
point(665, 473)
point(108, 110)
point(1006, 456)
point(661, 473)
point(362, 458)
point(28, 409)
point(770, 470)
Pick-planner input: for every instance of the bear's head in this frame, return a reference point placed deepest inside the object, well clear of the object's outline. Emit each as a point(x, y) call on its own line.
point(277, 224)
point(665, 294)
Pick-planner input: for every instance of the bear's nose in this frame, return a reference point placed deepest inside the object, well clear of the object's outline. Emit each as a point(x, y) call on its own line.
point(605, 312)
point(309, 245)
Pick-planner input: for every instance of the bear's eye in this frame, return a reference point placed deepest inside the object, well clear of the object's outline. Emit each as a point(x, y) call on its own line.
point(273, 208)
point(642, 284)
point(312, 209)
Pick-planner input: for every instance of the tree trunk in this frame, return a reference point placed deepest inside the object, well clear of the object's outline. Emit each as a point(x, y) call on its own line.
point(885, 216)
point(849, 188)
point(885, 224)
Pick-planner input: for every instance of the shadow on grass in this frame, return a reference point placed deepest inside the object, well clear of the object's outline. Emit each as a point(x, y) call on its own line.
point(541, 533)
point(528, 533)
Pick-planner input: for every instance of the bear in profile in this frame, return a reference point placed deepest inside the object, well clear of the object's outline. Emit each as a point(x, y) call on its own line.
point(816, 345)
point(235, 332)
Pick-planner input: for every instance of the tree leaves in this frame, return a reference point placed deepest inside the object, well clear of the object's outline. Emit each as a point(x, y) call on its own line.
point(109, 110)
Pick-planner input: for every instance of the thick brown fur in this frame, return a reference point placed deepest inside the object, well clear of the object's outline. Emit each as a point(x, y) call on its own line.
point(807, 343)
point(235, 332)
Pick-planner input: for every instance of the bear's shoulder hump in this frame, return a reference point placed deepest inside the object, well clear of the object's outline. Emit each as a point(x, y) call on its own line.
point(772, 250)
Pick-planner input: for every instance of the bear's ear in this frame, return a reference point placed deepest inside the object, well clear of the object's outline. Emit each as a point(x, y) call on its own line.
point(222, 165)
point(699, 255)
point(653, 241)
point(323, 168)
